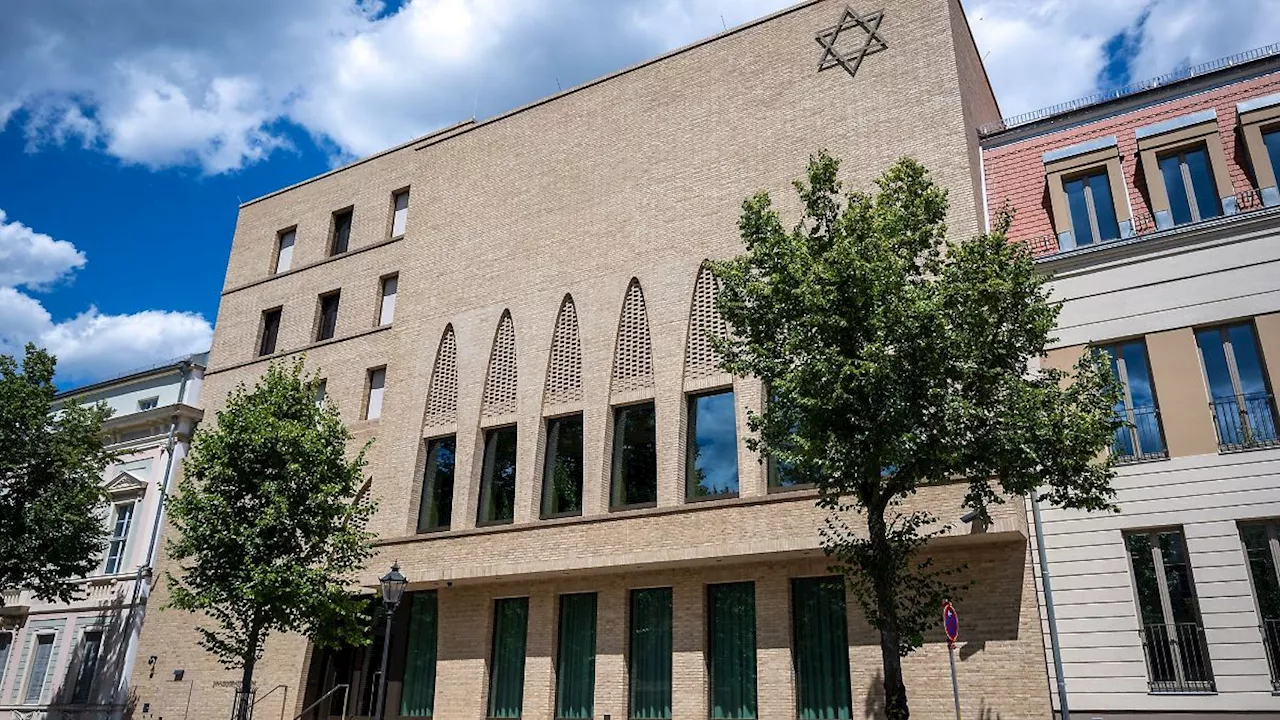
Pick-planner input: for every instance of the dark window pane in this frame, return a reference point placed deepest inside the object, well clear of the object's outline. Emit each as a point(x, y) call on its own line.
point(1272, 142)
point(417, 697)
point(328, 316)
point(1104, 207)
point(436, 508)
point(1202, 185)
point(576, 660)
point(270, 329)
point(731, 640)
point(1080, 226)
point(1143, 415)
point(506, 671)
point(498, 484)
point(711, 465)
point(1263, 570)
point(1215, 363)
point(341, 232)
point(562, 472)
point(1123, 446)
point(635, 456)
point(1244, 345)
point(90, 646)
point(1144, 576)
point(1175, 188)
point(39, 669)
point(649, 661)
point(1177, 572)
point(821, 646)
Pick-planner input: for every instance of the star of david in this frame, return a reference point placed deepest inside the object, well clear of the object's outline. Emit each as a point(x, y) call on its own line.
point(850, 61)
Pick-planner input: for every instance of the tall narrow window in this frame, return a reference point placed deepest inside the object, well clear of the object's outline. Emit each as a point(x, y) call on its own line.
point(1093, 210)
point(506, 671)
point(1188, 180)
point(284, 250)
point(399, 213)
point(1262, 548)
point(436, 509)
point(635, 456)
point(576, 658)
point(562, 473)
point(270, 329)
point(327, 322)
point(649, 661)
point(90, 649)
point(1244, 410)
point(711, 456)
point(322, 387)
point(341, 232)
point(1271, 141)
point(821, 646)
point(387, 307)
point(373, 402)
point(6, 645)
point(1141, 438)
point(40, 656)
point(1172, 636)
point(498, 481)
point(731, 643)
point(417, 697)
point(123, 518)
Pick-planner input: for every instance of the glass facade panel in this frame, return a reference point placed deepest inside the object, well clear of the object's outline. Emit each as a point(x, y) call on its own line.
point(90, 649)
point(576, 657)
point(711, 466)
point(562, 472)
point(820, 643)
point(649, 660)
point(1079, 206)
point(731, 650)
point(1176, 189)
point(341, 232)
point(417, 697)
point(498, 483)
point(635, 456)
point(435, 511)
point(506, 671)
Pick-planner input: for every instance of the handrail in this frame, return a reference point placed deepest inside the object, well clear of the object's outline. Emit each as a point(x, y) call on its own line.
point(283, 703)
point(345, 698)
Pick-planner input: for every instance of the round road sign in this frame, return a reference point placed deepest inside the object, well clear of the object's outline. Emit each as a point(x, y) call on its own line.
point(950, 621)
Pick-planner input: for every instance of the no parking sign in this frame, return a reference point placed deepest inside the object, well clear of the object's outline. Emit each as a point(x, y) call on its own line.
point(950, 621)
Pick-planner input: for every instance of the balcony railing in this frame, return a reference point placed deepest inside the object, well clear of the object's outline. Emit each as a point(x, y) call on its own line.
point(1271, 639)
point(1245, 422)
point(1177, 658)
point(1139, 439)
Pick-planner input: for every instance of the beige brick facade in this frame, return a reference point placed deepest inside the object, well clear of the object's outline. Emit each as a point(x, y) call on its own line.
point(638, 176)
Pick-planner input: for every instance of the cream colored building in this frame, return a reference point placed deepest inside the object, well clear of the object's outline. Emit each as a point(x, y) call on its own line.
point(516, 310)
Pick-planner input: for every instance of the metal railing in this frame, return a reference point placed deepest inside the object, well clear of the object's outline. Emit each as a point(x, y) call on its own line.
point(1177, 658)
point(1140, 439)
point(1245, 422)
point(1271, 640)
point(341, 686)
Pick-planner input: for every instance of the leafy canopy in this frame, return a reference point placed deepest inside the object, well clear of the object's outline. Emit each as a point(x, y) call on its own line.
point(270, 521)
point(51, 499)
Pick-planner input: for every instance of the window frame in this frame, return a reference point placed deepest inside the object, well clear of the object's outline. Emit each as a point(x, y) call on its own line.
point(279, 250)
point(487, 469)
point(1112, 349)
point(1258, 117)
point(321, 318)
point(558, 690)
point(52, 634)
point(493, 655)
point(1091, 205)
point(548, 454)
point(368, 392)
point(350, 213)
point(265, 326)
point(711, 590)
point(1188, 182)
point(1233, 372)
point(615, 450)
point(1080, 160)
point(632, 595)
point(1180, 134)
point(691, 445)
point(80, 665)
point(423, 499)
point(112, 538)
point(380, 320)
point(395, 196)
point(12, 635)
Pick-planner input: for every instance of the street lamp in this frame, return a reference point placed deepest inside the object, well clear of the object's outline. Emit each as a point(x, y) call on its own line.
point(392, 590)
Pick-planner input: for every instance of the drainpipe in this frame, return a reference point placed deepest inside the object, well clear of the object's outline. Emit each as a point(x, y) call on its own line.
point(1045, 581)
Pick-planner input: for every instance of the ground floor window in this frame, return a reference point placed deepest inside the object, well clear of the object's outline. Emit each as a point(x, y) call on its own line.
point(40, 657)
point(417, 697)
point(1262, 548)
point(731, 650)
point(90, 649)
point(506, 671)
point(820, 646)
point(1172, 636)
point(576, 658)
point(649, 659)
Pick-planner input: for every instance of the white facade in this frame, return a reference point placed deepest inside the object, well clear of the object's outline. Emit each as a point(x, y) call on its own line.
point(73, 660)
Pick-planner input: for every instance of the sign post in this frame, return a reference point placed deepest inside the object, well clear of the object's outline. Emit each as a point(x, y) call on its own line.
point(951, 624)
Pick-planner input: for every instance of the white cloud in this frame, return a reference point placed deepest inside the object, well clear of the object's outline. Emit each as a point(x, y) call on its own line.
point(90, 345)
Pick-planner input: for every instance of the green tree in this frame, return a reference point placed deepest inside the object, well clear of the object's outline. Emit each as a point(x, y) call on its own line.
point(270, 521)
point(894, 361)
point(51, 499)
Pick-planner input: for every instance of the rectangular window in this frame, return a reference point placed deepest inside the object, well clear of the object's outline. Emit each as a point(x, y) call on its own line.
point(1271, 141)
point(821, 647)
point(119, 538)
point(635, 456)
point(387, 307)
point(322, 387)
point(1188, 180)
point(731, 648)
point(40, 656)
point(1261, 549)
point(1172, 636)
point(284, 250)
point(6, 645)
point(498, 481)
point(270, 329)
point(562, 472)
point(1244, 410)
point(417, 696)
point(373, 403)
point(649, 657)
point(436, 509)
point(506, 671)
point(400, 213)
point(90, 648)
point(341, 232)
point(576, 657)
point(711, 450)
point(1093, 210)
point(327, 321)
point(148, 404)
point(1142, 439)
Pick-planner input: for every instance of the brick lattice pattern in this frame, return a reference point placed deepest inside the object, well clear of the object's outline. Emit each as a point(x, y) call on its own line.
point(700, 357)
point(442, 398)
point(633, 359)
point(500, 382)
point(564, 369)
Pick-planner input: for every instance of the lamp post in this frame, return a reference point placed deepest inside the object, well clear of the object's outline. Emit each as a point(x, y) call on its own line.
point(392, 589)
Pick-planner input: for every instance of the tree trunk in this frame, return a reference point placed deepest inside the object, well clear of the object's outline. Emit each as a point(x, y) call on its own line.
point(243, 701)
point(895, 691)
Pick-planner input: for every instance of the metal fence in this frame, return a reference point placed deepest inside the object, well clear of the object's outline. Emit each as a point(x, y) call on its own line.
point(1177, 658)
point(1245, 422)
point(1140, 439)
point(1271, 639)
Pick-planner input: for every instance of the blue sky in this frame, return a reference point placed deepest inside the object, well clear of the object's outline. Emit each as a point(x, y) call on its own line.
point(130, 132)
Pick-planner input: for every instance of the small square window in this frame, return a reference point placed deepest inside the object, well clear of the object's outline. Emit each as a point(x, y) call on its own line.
point(284, 250)
point(341, 232)
point(327, 323)
point(387, 306)
point(399, 213)
point(373, 403)
point(148, 403)
point(270, 329)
